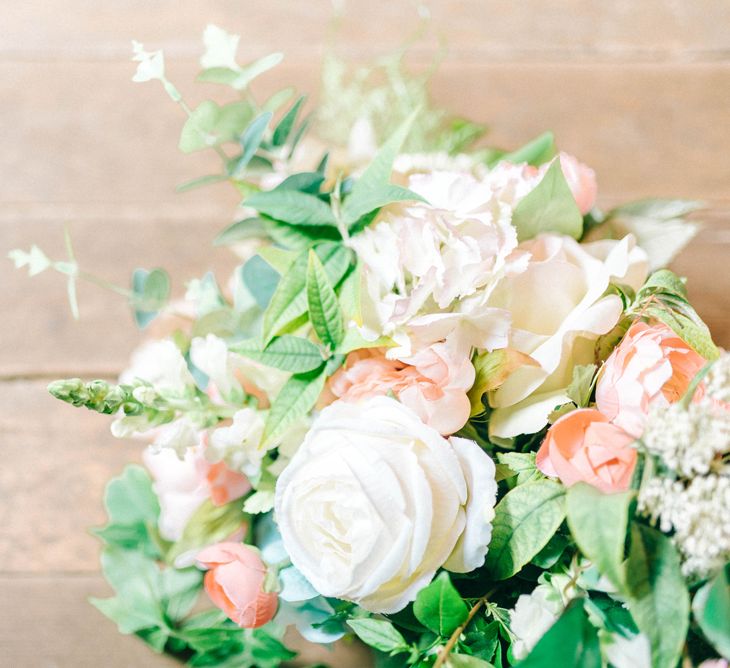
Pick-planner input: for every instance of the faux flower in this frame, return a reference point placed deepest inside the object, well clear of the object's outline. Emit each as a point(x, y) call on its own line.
point(583, 446)
point(183, 484)
point(558, 307)
point(234, 582)
point(433, 384)
point(375, 501)
point(532, 617)
point(651, 366)
point(161, 364)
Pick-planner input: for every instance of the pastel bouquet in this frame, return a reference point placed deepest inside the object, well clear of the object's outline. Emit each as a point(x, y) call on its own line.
point(444, 404)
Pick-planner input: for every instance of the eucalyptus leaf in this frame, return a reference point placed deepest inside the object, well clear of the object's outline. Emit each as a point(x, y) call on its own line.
point(210, 125)
point(150, 292)
point(549, 207)
point(250, 142)
point(525, 519)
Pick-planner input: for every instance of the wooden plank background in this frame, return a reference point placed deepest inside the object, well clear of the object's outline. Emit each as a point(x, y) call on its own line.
point(640, 91)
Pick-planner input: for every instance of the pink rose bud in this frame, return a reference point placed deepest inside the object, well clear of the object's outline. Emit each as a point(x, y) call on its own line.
point(583, 446)
point(581, 181)
point(650, 366)
point(226, 485)
point(234, 582)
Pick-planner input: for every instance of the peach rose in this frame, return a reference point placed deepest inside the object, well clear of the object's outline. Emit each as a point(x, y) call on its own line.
point(583, 446)
point(234, 582)
point(650, 366)
point(432, 383)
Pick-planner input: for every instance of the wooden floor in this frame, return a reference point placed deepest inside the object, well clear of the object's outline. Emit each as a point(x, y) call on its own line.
point(641, 91)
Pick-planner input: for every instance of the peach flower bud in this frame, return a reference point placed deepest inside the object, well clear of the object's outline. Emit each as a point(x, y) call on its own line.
point(581, 181)
point(650, 366)
point(583, 446)
point(226, 485)
point(234, 582)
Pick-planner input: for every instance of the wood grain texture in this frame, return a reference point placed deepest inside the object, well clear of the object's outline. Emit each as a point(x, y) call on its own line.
point(640, 91)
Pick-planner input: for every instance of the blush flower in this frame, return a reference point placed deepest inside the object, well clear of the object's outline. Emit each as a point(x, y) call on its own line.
point(235, 584)
point(651, 366)
point(583, 446)
point(433, 384)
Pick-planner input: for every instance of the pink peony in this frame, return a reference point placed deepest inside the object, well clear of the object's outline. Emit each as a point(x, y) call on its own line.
point(432, 383)
point(650, 366)
point(583, 446)
point(235, 583)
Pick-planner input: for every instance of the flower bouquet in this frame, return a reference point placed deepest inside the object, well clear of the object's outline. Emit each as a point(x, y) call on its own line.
point(444, 405)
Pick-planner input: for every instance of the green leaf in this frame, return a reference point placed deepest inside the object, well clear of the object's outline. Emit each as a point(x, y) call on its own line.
point(249, 228)
point(536, 152)
point(692, 331)
point(293, 207)
point(150, 292)
point(208, 524)
point(200, 182)
point(711, 607)
point(664, 281)
point(572, 642)
point(324, 309)
point(353, 340)
point(180, 589)
point(286, 124)
point(520, 464)
point(379, 633)
point(250, 142)
point(294, 401)
point(657, 594)
point(278, 258)
point(306, 182)
point(598, 523)
point(289, 302)
point(581, 385)
point(256, 68)
point(375, 199)
point(260, 279)
point(525, 520)
point(359, 202)
point(211, 125)
point(550, 207)
point(288, 353)
point(439, 607)
point(466, 661)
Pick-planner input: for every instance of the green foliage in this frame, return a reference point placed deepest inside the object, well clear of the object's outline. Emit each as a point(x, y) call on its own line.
point(657, 594)
point(439, 607)
point(598, 523)
point(581, 386)
point(285, 126)
point(664, 297)
point(241, 77)
point(467, 661)
point(324, 309)
point(260, 279)
point(380, 634)
point(525, 520)
point(250, 141)
point(293, 402)
point(711, 608)
point(288, 353)
point(572, 642)
point(519, 464)
point(150, 292)
point(211, 125)
point(549, 207)
point(535, 152)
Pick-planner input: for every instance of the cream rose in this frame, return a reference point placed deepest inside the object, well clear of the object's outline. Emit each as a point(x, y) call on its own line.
point(559, 308)
point(375, 501)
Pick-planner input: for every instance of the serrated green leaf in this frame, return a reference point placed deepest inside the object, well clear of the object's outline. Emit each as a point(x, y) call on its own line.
point(286, 124)
point(293, 207)
point(520, 464)
point(375, 199)
point(711, 608)
point(211, 125)
point(289, 302)
point(294, 401)
point(288, 353)
point(572, 642)
point(324, 309)
point(598, 523)
point(359, 202)
point(379, 633)
point(525, 520)
point(535, 152)
point(439, 607)
point(693, 332)
point(549, 207)
point(657, 594)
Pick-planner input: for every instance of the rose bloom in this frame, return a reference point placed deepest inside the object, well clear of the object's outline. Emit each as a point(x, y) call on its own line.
point(433, 384)
point(583, 446)
point(234, 582)
point(182, 485)
point(375, 501)
point(558, 308)
point(651, 366)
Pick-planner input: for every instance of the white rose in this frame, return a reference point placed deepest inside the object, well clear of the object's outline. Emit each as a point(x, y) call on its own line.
point(559, 308)
point(621, 652)
point(238, 444)
point(374, 502)
point(532, 617)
